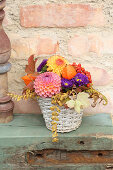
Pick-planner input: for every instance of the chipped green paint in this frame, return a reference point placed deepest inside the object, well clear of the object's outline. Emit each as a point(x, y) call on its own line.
point(28, 132)
point(96, 131)
point(68, 167)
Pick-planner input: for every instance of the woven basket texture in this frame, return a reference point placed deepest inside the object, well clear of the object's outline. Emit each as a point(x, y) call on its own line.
point(69, 120)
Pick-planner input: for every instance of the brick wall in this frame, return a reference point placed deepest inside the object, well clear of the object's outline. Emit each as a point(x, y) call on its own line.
point(79, 30)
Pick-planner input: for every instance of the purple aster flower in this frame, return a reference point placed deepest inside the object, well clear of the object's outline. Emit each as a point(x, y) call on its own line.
point(66, 83)
point(80, 79)
point(43, 63)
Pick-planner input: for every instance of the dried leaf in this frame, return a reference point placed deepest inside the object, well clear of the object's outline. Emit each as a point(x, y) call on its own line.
point(55, 134)
point(55, 118)
point(55, 140)
point(30, 68)
point(78, 90)
point(65, 105)
point(95, 97)
point(35, 74)
point(81, 88)
point(29, 86)
point(54, 113)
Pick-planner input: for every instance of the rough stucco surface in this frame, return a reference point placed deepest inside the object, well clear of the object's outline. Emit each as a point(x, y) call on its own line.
point(63, 36)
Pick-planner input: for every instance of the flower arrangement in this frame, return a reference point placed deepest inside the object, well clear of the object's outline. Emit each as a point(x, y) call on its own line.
point(67, 85)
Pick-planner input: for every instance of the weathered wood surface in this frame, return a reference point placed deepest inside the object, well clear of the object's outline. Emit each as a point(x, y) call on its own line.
point(95, 133)
point(25, 143)
point(59, 167)
point(56, 157)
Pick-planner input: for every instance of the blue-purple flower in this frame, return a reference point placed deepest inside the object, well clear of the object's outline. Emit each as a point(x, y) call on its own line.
point(80, 79)
point(65, 83)
point(43, 63)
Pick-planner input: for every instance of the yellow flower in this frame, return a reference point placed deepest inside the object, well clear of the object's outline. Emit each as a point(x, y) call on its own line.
point(56, 64)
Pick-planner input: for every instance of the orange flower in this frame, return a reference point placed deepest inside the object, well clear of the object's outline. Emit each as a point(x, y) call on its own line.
point(28, 78)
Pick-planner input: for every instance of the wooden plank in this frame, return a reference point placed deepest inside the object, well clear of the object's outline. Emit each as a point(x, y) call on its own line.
point(98, 119)
point(60, 157)
point(58, 167)
point(18, 160)
point(92, 135)
point(27, 133)
point(23, 120)
point(37, 120)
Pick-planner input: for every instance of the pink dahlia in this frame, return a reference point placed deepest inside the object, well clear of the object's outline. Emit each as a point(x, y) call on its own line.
point(47, 84)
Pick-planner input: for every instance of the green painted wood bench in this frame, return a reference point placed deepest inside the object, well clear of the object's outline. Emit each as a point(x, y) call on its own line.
point(25, 143)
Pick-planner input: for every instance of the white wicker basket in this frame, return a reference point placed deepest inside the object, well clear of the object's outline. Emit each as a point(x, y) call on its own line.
point(69, 120)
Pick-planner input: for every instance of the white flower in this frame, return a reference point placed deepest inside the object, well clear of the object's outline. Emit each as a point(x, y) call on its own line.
point(77, 106)
point(83, 98)
point(70, 104)
point(82, 101)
